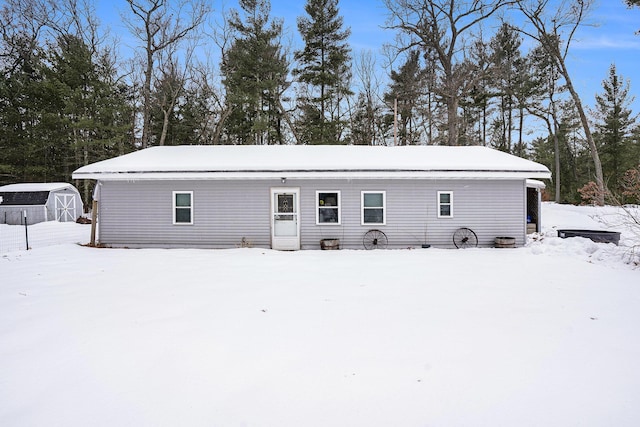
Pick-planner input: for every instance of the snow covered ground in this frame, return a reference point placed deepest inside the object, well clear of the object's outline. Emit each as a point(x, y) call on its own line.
point(545, 335)
point(43, 234)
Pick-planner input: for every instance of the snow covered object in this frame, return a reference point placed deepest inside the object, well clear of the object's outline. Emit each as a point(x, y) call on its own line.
point(52, 201)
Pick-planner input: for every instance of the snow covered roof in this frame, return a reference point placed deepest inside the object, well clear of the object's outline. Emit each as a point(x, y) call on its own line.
point(34, 186)
point(534, 183)
point(317, 161)
point(30, 194)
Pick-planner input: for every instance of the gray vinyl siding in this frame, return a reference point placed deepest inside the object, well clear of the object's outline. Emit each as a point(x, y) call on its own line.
point(139, 214)
point(490, 208)
point(14, 215)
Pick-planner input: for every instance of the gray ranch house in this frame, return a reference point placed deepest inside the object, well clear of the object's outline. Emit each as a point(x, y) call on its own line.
point(291, 197)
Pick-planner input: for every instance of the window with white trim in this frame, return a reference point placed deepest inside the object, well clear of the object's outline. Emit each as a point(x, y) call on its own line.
point(373, 205)
point(445, 204)
point(328, 207)
point(182, 207)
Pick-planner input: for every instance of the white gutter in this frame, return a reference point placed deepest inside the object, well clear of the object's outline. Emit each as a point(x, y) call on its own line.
point(264, 175)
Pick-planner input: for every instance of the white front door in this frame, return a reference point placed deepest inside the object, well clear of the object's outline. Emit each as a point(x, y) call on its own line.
point(65, 207)
point(285, 219)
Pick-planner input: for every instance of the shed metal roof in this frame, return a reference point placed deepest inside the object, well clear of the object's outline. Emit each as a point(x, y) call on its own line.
point(23, 198)
point(318, 161)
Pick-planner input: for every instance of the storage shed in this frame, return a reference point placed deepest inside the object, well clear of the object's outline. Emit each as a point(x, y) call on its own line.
point(53, 201)
point(295, 197)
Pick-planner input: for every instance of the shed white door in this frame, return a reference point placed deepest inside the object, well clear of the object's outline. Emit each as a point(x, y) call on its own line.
point(65, 207)
point(285, 219)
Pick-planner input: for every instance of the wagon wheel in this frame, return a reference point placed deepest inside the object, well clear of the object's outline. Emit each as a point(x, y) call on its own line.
point(465, 238)
point(375, 239)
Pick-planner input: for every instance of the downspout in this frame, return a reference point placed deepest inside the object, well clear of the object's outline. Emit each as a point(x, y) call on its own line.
point(95, 206)
point(526, 211)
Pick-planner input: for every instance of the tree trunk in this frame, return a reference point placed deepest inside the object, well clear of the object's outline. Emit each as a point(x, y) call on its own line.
point(146, 107)
point(452, 120)
point(287, 119)
point(556, 144)
point(556, 154)
point(520, 131)
point(218, 128)
point(509, 126)
point(587, 133)
point(484, 124)
point(165, 127)
point(430, 119)
point(87, 194)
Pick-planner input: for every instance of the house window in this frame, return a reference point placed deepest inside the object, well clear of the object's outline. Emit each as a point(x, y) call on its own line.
point(328, 207)
point(373, 207)
point(445, 204)
point(183, 207)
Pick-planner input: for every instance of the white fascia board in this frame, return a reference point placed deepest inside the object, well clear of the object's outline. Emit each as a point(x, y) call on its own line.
point(262, 175)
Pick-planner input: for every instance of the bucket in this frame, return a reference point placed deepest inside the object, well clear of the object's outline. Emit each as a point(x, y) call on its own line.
point(329, 244)
point(505, 242)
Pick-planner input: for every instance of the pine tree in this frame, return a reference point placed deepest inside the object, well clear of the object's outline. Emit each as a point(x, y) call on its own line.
point(324, 66)
point(444, 27)
point(543, 102)
point(255, 70)
point(508, 73)
point(87, 112)
point(476, 104)
point(61, 105)
point(406, 90)
point(614, 123)
point(187, 119)
point(23, 149)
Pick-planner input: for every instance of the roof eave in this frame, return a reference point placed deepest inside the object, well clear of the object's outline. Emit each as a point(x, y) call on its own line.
point(296, 174)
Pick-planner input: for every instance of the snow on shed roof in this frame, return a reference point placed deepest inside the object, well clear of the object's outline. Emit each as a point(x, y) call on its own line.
point(31, 193)
point(302, 161)
point(34, 186)
point(534, 183)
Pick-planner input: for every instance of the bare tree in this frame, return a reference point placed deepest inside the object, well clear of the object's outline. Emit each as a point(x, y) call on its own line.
point(443, 26)
point(222, 35)
point(79, 18)
point(543, 103)
point(23, 23)
point(170, 83)
point(160, 24)
point(213, 112)
point(554, 29)
point(365, 116)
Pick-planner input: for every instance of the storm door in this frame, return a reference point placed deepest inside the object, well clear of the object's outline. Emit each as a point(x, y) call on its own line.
point(285, 218)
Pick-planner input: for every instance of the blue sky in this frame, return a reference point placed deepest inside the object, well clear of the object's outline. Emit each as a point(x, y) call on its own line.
point(609, 39)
